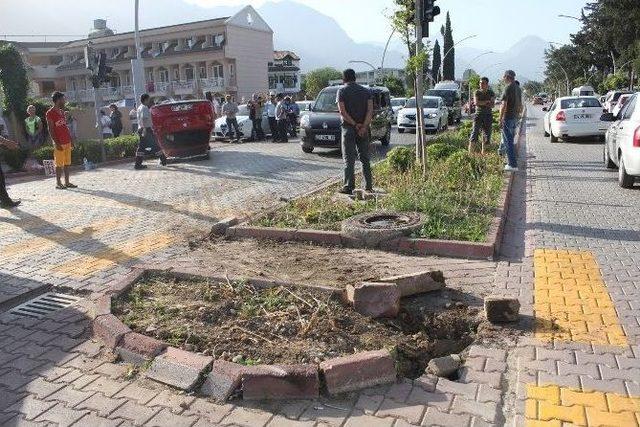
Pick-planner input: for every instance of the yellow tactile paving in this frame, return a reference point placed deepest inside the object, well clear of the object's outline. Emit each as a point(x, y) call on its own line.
point(571, 300)
point(129, 251)
point(30, 246)
point(551, 405)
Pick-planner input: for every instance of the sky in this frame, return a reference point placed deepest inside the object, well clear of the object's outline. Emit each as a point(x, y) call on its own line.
point(507, 20)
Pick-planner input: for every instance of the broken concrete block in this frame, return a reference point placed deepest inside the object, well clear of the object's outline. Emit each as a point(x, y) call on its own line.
point(501, 309)
point(375, 299)
point(444, 366)
point(417, 283)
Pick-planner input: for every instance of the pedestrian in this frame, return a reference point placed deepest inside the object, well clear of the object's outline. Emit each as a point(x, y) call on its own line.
point(282, 118)
point(217, 105)
point(509, 111)
point(105, 123)
point(62, 140)
point(356, 111)
point(72, 124)
point(34, 127)
point(147, 142)
point(229, 110)
point(294, 113)
point(116, 120)
point(271, 115)
point(133, 118)
point(209, 97)
point(259, 115)
point(484, 99)
point(5, 201)
point(255, 115)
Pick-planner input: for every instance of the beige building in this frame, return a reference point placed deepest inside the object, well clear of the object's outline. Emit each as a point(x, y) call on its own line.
point(42, 60)
point(226, 55)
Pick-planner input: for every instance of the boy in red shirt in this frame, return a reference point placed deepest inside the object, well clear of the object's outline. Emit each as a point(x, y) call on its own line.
point(62, 140)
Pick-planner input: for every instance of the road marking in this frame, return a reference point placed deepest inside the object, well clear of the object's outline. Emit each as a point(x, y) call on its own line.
point(571, 300)
point(131, 250)
point(551, 405)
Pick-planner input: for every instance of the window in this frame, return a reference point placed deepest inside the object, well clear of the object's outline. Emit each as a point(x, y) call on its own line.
point(189, 73)
point(630, 108)
point(191, 42)
point(176, 74)
point(287, 62)
point(202, 72)
point(579, 103)
point(232, 71)
point(163, 75)
point(217, 71)
point(165, 46)
point(150, 76)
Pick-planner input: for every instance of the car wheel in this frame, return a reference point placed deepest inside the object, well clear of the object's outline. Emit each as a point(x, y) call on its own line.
point(625, 180)
point(400, 130)
point(307, 149)
point(545, 132)
point(386, 140)
point(608, 163)
point(553, 137)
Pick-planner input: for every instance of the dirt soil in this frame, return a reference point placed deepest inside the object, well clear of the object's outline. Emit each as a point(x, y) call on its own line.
point(237, 322)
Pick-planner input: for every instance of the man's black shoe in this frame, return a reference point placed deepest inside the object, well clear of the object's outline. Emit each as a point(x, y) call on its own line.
point(140, 167)
point(346, 191)
point(9, 204)
point(163, 160)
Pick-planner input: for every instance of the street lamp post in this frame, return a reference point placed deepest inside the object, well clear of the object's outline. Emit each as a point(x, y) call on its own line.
point(451, 48)
point(137, 64)
point(564, 71)
point(384, 54)
point(369, 64)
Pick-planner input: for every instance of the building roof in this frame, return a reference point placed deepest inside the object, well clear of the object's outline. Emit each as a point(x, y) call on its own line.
point(282, 54)
point(35, 45)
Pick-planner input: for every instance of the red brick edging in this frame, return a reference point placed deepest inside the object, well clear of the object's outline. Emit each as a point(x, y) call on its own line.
point(220, 379)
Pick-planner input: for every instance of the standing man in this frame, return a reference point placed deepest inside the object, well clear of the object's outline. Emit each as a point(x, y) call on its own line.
point(271, 114)
point(62, 140)
point(356, 110)
point(294, 113)
point(147, 141)
point(282, 118)
point(509, 112)
point(229, 110)
point(484, 99)
point(105, 122)
point(215, 105)
point(5, 200)
point(116, 120)
point(33, 124)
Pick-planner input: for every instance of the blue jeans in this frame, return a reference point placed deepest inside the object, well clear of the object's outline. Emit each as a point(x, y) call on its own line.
point(508, 137)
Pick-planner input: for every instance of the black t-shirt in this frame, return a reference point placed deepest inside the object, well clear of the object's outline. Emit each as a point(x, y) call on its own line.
point(511, 96)
point(356, 99)
point(485, 95)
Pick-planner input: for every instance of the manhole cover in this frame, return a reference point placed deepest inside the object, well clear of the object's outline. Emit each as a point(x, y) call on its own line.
point(44, 304)
point(373, 228)
point(387, 221)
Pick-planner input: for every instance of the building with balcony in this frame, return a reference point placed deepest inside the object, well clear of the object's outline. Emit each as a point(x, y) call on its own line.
point(223, 55)
point(284, 72)
point(42, 60)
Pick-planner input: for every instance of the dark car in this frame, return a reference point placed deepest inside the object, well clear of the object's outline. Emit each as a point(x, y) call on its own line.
point(183, 128)
point(321, 127)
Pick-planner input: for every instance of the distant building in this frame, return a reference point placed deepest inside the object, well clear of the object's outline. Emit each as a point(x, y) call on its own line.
point(284, 72)
point(372, 77)
point(226, 55)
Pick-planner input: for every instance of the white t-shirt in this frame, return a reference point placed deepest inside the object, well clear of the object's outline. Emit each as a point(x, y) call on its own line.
point(105, 121)
point(217, 108)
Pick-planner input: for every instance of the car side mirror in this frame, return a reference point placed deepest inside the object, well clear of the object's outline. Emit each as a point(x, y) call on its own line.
point(545, 109)
point(607, 117)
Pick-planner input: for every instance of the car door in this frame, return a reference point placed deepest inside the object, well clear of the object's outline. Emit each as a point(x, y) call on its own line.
point(547, 118)
point(625, 129)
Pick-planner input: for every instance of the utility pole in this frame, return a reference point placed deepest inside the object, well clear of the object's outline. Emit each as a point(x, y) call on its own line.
point(419, 86)
point(137, 64)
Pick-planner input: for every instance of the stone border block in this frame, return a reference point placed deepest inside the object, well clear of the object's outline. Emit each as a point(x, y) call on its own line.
point(178, 368)
point(137, 348)
point(417, 283)
point(375, 299)
point(223, 380)
point(358, 371)
point(279, 382)
point(109, 329)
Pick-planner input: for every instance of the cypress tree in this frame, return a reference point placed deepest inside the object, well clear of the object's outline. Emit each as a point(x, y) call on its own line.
point(449, 61)
point(437, 62)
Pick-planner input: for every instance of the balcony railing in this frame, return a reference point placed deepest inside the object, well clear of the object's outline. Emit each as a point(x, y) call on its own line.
point(184, 87)
point(212, 84)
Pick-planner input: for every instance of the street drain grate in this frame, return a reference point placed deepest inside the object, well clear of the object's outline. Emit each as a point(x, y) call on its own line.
point(44, 304)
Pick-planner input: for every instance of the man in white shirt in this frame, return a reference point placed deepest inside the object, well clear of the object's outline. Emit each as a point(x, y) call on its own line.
point(282, 117)
point(271, 113)
point(105, 123)
point(148, 141)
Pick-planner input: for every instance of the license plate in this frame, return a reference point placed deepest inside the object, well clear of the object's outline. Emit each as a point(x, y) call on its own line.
point(325, 137)
point(582, 116)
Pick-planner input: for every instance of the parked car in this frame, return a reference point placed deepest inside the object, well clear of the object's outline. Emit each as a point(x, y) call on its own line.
point(397, 104)
point(574, 117)
point(244, 123)
point(583, 91)
point(434, 110)
point(622, 142)
point(621, 103)
point(305, 108)
point(183, 128)
point(322, 126)
point(612, 99)
point(450, 92)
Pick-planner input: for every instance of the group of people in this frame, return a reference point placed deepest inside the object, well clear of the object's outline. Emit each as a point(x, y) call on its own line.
point(510, 111)
point(111, 124)
point(282, 113)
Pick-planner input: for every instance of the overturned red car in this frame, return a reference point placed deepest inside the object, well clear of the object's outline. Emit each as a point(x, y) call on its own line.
point(183, 128)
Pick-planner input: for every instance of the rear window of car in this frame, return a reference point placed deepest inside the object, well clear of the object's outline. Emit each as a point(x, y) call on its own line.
point(426, 103)
point(449, 96)
point(398, 102)
point(579, 103)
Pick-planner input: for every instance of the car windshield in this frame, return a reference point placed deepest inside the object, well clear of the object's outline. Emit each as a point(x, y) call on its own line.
point(398, 102)
point(579, 103)
point(449, 96)
point(326, 102)
point(426, 103)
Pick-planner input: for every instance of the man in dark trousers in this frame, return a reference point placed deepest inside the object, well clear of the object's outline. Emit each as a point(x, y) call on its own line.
point(5, 200)
point(147, 143)
point(509, 113)
point(484, 99)
point(356, 110)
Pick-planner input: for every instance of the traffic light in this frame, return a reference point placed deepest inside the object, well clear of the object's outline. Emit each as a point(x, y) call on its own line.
point(429, 12)
point(103, 69)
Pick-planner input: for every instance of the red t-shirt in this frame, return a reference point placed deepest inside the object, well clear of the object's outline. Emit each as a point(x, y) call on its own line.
point(60, 131)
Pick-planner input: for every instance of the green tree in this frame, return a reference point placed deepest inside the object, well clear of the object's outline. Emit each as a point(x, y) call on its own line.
point(394, 84)
point(449, 60)
point(14, 84)
point(317, 80)
point(532, 87)
point(437, 62)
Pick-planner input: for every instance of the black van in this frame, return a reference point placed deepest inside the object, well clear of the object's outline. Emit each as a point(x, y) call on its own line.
point(322, 126)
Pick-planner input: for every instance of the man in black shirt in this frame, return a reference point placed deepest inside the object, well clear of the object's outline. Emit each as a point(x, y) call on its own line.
point(356, 110)
point(484, 99)
point(509, 112)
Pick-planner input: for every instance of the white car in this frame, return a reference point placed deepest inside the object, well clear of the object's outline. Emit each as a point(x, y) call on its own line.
point(612, 99)
point(245, 125)
point(397, 104)
point(435, 112)
point(574, 116)
point(622, 143)
point(621, 103)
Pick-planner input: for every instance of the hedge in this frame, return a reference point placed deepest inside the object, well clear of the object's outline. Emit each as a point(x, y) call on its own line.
point(115, 148)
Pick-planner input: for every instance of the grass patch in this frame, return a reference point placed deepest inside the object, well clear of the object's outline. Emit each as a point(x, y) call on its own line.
point(459, 195)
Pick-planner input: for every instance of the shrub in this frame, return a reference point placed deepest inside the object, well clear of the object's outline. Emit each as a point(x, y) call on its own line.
point(401, 159)
point(15, 158)
point(440, 151)
point(462, 168)
point(43, 153)
point(122, 146)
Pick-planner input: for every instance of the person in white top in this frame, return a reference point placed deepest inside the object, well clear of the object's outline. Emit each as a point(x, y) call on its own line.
point(105, 123)
point(147, 141)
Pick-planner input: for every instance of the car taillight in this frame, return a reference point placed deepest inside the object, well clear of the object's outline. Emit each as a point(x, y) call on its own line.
point(636, 138)
point(561, 117)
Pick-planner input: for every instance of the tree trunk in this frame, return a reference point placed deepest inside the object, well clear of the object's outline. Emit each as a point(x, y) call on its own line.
point(18, 130)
